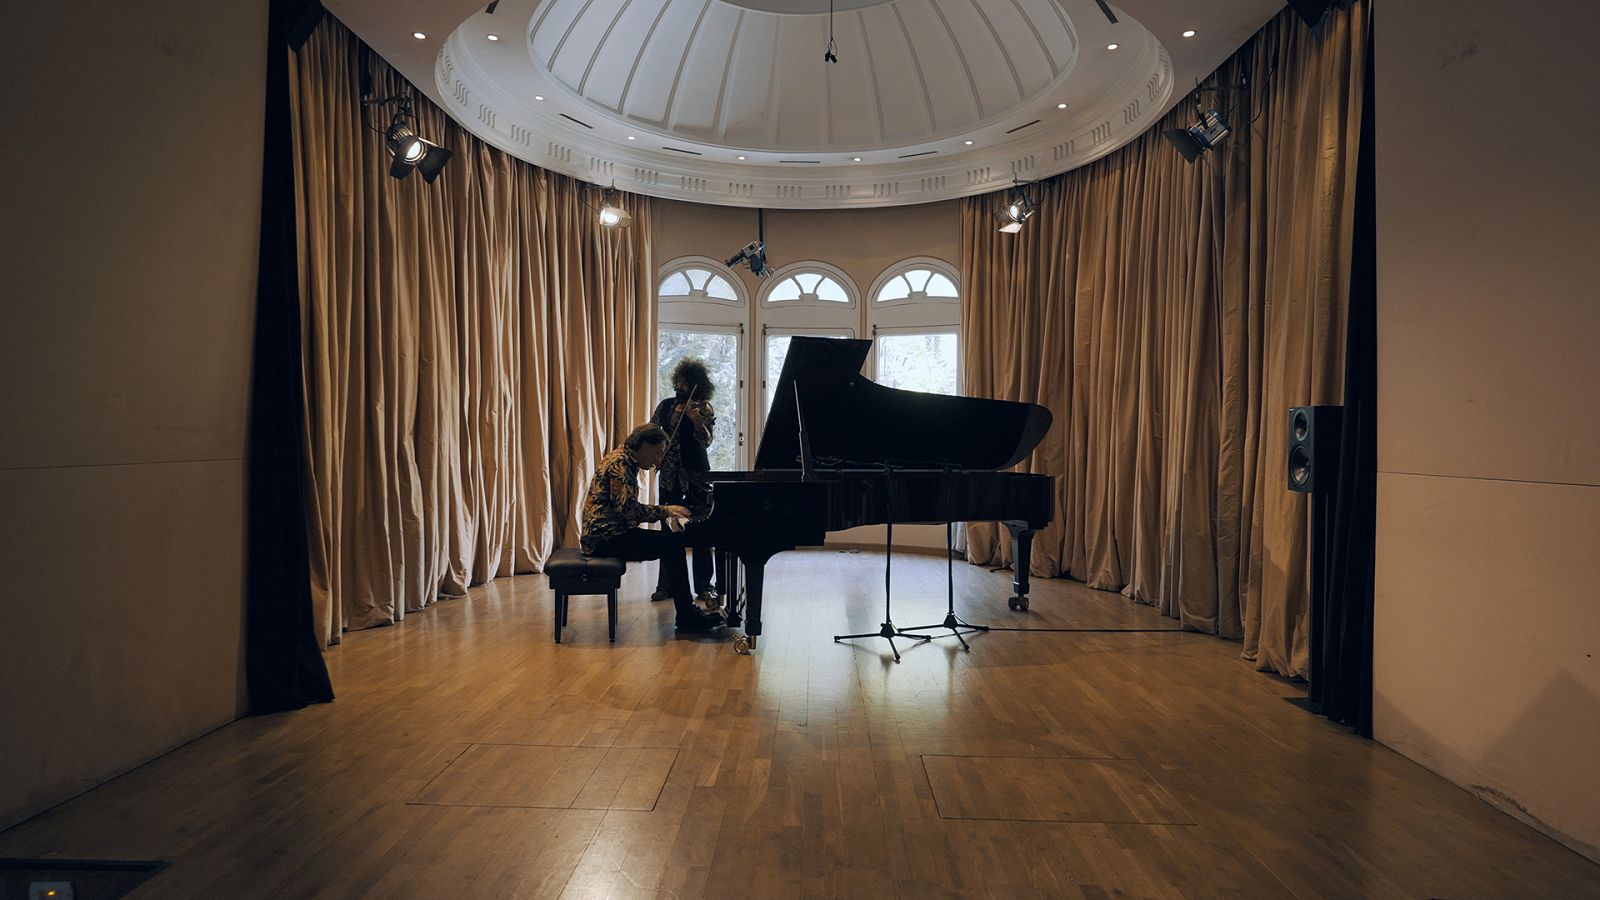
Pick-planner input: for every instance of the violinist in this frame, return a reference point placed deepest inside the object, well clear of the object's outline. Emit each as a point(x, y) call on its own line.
point(688, 417)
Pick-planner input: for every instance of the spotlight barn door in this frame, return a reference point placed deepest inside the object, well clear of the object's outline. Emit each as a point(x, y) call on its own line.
point(1313, 458)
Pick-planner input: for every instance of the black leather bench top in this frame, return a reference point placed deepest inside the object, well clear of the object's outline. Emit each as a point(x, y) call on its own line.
point(570, 563)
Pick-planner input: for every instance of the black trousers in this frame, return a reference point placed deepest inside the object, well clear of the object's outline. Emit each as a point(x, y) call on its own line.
point(641, 544)
point(703, 556)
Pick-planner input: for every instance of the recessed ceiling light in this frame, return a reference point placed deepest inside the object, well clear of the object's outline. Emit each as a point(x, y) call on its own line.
point(1189, 33)
point(1061, 106)
point(741, 157)
point(419, 35)
point(537, 97)
point(1111, 46)
point(856, 158)
point(968, 143)
point(632, 138)
point(493, 37)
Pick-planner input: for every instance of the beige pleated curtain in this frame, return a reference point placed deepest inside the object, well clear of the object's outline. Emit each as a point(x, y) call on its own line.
point(1168, 314)
point(471, 348)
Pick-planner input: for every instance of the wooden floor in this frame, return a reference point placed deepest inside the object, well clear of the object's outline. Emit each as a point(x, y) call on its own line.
point(468, 755)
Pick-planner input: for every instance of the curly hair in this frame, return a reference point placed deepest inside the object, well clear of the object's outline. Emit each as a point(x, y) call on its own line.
point(692, 373)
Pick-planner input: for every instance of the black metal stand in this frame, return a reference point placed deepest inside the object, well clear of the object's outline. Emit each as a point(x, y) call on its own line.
point(888, 631)
point(951, 621)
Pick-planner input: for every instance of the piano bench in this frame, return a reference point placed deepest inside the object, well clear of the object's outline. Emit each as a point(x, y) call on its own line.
point(573, 572)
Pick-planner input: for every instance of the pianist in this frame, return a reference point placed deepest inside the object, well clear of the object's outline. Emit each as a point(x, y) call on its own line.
point(612, 515)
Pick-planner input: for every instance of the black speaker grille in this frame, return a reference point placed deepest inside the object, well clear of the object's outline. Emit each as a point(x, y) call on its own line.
point(1299, 424)
point(1299, 466)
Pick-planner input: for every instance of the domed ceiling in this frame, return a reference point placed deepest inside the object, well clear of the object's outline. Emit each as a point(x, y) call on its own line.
point(733, 102)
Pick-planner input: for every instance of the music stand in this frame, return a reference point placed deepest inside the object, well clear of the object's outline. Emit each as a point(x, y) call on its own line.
point(888, 631)
point(951, 621)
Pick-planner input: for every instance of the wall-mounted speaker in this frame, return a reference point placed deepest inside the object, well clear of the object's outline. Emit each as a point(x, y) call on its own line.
point(1313, 458)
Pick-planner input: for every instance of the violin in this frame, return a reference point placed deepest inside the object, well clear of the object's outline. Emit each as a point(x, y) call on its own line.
point(701, 409)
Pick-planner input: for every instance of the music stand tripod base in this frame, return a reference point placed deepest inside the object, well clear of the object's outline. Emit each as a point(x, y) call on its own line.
point(952, 621)
point(957, 626)
point(889, 633)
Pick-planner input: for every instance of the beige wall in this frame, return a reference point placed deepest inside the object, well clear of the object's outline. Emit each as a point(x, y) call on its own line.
point(1487, 646)
point(862, 242)
point(127, 261)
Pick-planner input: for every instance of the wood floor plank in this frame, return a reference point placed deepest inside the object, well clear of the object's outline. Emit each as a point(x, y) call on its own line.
point(801, 771)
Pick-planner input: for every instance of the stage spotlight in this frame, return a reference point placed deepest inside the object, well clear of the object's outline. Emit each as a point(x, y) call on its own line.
point(406, 148)
point(612, 215)
point(1019, 207)
point(1199, 137)
point(412, 152)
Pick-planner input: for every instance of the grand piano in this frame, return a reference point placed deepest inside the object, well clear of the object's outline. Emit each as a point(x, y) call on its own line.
point(840, 450)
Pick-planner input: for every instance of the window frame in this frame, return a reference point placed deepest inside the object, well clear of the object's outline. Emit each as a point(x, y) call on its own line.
point(910, 264)
point(803, 267)
point(917, 315)
point(708, 310)
point(711, 315)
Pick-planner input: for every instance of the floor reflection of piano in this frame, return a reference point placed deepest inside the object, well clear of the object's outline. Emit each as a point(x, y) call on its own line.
point(832, 443)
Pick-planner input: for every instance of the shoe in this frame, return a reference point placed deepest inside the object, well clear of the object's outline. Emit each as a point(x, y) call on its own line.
point(707, 598)
point(660, 595)
point(693, 621)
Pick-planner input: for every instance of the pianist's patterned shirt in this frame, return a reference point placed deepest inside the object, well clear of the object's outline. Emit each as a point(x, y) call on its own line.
point(612, 505)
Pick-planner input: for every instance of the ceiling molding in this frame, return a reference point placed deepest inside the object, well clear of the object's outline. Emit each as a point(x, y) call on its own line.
point(697, 83)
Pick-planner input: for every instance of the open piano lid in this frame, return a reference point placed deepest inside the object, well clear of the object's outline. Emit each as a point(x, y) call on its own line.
point(854, 422)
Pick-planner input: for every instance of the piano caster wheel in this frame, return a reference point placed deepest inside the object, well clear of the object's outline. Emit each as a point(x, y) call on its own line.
point(743, 644)
point(1019, 604)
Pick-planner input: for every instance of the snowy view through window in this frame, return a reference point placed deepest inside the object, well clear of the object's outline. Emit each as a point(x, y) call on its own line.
point(918, 362)
point(721, 354)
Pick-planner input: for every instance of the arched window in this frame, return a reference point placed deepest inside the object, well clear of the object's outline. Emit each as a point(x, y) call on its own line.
point(691, 281)
point(811, 283)
point(915, 317)
point(916, 281)
point(803, 298)
point(703, 311)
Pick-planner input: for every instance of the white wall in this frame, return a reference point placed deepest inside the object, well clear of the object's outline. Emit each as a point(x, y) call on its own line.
point(128, 233)
point(1487, 646)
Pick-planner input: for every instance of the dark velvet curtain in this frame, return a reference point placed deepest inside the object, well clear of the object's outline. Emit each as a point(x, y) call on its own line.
point(283, 664)
point(1341, 665)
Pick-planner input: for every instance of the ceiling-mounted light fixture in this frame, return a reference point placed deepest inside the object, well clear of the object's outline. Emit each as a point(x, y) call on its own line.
point(1017, 209)
point(1199, 137)
point(408, 150)
point(612, 215)
point(828, 54)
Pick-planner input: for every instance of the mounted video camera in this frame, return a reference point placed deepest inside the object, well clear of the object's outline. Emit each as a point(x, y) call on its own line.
point(754, 253)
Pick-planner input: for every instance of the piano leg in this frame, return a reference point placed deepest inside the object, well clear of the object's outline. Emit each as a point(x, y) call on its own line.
point(732, 608)
point(724, 589)
point(755, 566)
point(1021, 559)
